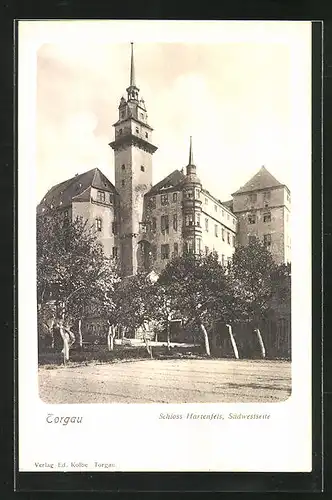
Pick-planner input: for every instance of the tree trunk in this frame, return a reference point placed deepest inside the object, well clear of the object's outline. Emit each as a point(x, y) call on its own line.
point(261, 343)
point(206, 339)
point(236, 352)
point(168, 336)
point(80, 336)
point(109, 337)
point(148, 347)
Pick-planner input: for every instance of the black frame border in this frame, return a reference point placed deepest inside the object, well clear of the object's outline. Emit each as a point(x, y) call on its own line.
point(208, 482)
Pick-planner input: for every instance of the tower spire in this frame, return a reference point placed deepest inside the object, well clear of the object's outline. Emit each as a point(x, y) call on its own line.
point(191, 152)
point(132, 67)
point(132, 90)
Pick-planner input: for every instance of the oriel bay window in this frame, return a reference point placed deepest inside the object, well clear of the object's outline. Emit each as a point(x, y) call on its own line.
point(189, 219)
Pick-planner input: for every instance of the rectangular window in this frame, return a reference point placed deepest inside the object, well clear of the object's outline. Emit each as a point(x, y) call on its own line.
point(142, 168)
point(207, 224)
point(98, 224)
point(176, 249)
point(122, 183)
point(228, 238)
point(113, 227)
point(222, 259)
point(141, 116)
point(66, 214)
point(175, 222)
point(146, 135)
point(189, 220)
point(267, 240)
point(111, 199)
point(223, 213)
point(197, 193)
point(164, 252)
point(137, 130)
point(198, 245)
point(227, 216)
point(164, 223)
point(223, 234)
point(216, 230)
point(206, 250)
point(206, 201)
point(164, 199)
point(189, 193)
point(175, 197)
point(215, 208)
point(153, 202)
point(101, 196)
point(120, 131)
point(253, 198)
point(233, 238)
point(251, 218)
point(114, 252)
point(198, 220)
point(122, 114)
point(267, 195)
point(267, 217)
point(252, 239)
point(154, 225)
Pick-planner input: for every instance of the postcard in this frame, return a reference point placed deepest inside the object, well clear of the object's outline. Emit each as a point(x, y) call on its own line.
point(164, 246)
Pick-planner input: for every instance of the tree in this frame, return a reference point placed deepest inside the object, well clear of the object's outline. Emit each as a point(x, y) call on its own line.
point(251, 277)
point(198, 290)
point(71, 269)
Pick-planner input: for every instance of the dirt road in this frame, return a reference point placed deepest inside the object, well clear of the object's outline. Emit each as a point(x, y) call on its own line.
point(168, 381)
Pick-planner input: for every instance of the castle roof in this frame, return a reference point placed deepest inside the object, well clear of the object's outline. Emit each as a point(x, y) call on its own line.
point(77, 188)
point(262, 180)
point(172, 180)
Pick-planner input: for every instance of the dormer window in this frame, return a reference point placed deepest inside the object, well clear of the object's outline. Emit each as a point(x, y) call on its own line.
point(101, 196)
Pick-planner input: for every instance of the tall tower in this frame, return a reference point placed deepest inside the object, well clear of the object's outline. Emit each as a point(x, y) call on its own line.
point(133, 152)
point(192, 207)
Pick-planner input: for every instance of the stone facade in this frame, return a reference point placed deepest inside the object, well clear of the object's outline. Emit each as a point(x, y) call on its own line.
point(145, 225)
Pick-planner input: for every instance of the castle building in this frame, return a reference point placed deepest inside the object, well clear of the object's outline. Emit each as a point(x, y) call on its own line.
point(145, 225)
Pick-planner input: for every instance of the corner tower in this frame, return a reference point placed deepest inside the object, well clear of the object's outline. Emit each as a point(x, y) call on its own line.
point(192, 207)
point(133, 150)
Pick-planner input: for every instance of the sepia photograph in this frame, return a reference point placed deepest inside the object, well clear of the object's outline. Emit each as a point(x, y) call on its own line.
point(164, 235)
point(163, 276)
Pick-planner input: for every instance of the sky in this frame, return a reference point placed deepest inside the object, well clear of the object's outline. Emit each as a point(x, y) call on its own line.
point(235, 95)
